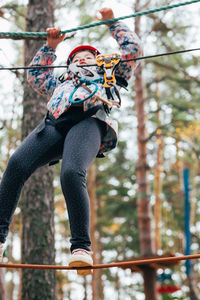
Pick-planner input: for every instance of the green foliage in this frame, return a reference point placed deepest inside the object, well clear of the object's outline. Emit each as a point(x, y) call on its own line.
point(15, 12)
point(176, 88)
point(117, 214)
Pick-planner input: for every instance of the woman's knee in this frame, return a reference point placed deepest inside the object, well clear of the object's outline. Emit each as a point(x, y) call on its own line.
point(72, 176)
point(16, 167)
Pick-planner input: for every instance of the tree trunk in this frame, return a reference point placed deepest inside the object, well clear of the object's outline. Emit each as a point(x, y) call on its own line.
point(11, 259)
point(85, 288)
point(37, 204)
point(3, 289)
point(99, 256)
point(157, 178)
point(192, 286)
point(157, 190)
point(143, 204)
point(92, 195)
point(97, 285)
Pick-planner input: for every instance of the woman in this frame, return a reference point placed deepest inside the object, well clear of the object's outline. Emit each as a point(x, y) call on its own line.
point(77, 128)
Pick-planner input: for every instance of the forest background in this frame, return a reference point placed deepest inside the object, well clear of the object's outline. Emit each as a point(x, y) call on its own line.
point(171, 92)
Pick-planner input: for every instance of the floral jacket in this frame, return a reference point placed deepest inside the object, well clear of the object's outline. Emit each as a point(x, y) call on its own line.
point(58, 92)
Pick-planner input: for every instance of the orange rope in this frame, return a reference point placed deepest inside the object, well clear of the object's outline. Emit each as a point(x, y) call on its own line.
point(103, 266)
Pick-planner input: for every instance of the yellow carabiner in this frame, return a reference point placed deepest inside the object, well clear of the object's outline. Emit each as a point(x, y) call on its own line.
point(108, 62)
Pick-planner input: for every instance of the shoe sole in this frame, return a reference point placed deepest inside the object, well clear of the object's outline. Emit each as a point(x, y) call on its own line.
point(79, 263)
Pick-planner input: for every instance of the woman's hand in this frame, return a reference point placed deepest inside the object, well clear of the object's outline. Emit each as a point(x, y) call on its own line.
point(54, 38)
point(106, 14)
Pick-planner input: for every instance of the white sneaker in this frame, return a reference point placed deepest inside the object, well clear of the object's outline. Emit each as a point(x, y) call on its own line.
point(81, 258)
point(1, 252)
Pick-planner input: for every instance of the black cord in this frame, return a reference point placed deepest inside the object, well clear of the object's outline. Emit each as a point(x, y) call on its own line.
point(125, 60)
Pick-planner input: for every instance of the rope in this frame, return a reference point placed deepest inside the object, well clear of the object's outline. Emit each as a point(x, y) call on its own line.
point(93, 65)
point(87, 82)
point(146, 12)
point(30, 37)
point(103, 266)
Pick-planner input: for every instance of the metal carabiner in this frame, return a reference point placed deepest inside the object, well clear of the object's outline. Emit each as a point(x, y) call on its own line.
point(108, 63)
point(86, 82)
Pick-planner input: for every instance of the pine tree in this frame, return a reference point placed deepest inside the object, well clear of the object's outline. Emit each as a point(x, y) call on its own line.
point(38, 205)
point(179, 111)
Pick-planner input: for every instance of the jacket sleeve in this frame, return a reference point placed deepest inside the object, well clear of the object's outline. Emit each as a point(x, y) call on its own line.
point(43, 80)
point(130, 47)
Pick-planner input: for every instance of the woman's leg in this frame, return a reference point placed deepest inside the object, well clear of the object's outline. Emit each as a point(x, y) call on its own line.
point(36, 150)
point(81, 146)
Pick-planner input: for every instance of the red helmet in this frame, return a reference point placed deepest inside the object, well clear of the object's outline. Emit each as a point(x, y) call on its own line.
point(81, 48)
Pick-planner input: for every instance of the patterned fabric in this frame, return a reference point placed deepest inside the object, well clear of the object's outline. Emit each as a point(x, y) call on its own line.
point(46, 83)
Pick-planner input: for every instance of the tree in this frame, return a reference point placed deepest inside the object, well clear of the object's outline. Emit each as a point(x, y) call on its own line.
point(38, 205)
point(144, 208)
point(178, 95)
point(3, 290)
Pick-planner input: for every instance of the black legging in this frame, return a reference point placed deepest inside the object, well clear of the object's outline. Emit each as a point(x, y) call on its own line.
point(77, 149)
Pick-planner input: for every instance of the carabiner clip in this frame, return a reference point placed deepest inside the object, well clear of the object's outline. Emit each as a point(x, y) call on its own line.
point(76, 88)
point(108, 63)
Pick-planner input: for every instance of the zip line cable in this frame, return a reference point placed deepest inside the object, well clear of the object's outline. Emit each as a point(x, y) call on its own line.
point(146, 12)
point(93, 65)
point(127, 264)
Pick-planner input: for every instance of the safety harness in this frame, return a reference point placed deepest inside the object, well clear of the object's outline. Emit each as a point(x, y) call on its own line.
point(85, 76)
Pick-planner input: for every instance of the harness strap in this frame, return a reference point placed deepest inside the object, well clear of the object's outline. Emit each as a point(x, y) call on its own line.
point(67, 119)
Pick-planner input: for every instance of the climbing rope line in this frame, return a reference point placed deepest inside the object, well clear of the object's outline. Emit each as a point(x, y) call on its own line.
point(104, 266)
point(92, 65)
point(146, 12)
